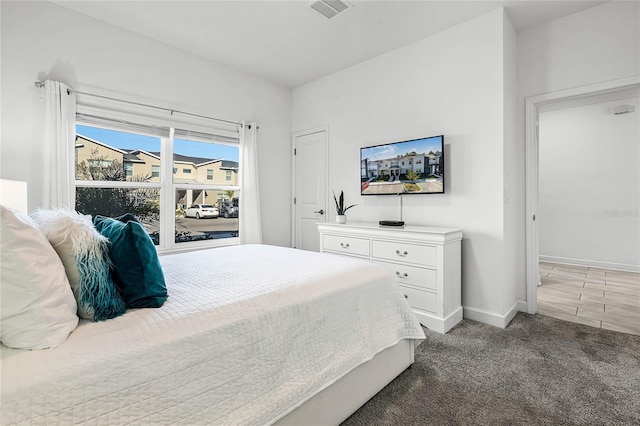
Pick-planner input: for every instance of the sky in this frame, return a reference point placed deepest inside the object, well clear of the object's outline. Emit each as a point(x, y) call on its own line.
point(421, 146)
point(125, 140)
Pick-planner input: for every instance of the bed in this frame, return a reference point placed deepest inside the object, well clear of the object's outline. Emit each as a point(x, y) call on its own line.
point(250, 334)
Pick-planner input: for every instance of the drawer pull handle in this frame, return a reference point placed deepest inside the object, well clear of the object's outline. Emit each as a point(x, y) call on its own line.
point(403, 254)
point(405, 275)
point(406, 297)
point(344, 246)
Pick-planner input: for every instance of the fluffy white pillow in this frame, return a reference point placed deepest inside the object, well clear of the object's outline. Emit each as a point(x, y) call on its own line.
point(37, 307)
point(85, 255)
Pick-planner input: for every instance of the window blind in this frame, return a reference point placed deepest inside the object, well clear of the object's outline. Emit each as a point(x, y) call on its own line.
point(122, 125)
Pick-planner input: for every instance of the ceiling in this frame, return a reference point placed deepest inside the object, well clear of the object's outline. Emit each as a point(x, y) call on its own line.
point(291, 44)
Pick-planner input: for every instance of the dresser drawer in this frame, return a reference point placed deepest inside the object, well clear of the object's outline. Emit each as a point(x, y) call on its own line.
point(346, 245)
point(412, 275)
point(422, 300)
point(405, 252)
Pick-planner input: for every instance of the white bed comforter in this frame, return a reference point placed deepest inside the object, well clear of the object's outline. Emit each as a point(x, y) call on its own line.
point(247, 334)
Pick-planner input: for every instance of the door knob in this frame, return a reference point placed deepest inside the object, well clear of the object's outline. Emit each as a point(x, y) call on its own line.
point(321, 211)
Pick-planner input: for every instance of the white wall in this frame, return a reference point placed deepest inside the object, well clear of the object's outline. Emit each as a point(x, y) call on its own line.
point(596, 45)
point(599, 44)
point(43, 40)
point(452, 84)
point(513, 261)
point(589, 199)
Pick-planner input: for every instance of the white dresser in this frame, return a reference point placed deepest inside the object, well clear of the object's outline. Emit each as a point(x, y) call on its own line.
point(425, 260)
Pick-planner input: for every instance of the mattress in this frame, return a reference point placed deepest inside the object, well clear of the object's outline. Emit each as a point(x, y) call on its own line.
point(248, 333)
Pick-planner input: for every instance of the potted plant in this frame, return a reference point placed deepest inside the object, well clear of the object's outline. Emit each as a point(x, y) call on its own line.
point(340, 208)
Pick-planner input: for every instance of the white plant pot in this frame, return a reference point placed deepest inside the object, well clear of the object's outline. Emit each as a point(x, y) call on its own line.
point(341, 218)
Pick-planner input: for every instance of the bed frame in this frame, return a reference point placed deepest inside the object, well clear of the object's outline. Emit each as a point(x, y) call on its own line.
point(339, 400)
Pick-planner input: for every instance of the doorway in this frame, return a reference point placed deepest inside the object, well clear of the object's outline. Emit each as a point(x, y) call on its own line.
point(534, 107)
point(309, 187)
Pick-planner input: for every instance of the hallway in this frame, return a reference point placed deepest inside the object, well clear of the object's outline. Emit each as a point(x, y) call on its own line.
point(597, 297)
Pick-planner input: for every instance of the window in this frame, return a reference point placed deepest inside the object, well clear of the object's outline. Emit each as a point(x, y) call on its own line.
point(220, 220)
point(100, 163)
point(109, 186)
point(119, 169)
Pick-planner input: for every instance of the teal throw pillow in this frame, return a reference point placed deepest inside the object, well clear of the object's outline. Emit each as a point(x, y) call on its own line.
point(85, 256)
point(136, 266)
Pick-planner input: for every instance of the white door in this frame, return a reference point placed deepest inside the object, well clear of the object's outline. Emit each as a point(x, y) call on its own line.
point(310, 186)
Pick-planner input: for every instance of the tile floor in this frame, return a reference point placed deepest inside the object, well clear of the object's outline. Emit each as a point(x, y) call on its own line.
point(597, 297)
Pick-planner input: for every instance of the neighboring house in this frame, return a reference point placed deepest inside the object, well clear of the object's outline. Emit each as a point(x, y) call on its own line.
point(435, 162)
point(402, 165)
point(204, 170)
point(94, 153)
point(144, 166)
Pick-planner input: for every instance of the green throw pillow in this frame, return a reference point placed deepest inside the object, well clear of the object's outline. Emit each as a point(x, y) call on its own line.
point(136, 266)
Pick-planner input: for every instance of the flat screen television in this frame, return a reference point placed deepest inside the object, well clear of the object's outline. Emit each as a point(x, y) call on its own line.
point(407, 167)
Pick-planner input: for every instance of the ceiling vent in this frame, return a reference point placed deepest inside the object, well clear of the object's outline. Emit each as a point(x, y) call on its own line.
point(329, 8)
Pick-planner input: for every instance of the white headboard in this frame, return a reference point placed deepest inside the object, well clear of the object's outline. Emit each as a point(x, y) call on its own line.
point(13, 193)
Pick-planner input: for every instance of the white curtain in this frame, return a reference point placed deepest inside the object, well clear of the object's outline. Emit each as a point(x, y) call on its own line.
point(58, 170)
point(250, 225)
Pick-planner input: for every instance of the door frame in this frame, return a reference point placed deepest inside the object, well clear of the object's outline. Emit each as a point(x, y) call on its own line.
point(294, 183)
point(532, 106)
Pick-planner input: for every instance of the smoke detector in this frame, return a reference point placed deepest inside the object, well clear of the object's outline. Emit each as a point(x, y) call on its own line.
point(330, 8)
point(624, 109)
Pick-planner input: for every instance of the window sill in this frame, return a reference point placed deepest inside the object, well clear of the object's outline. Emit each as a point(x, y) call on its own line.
point(198, 245)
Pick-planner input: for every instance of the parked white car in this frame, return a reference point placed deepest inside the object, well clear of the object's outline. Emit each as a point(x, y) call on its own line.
point(200, 211)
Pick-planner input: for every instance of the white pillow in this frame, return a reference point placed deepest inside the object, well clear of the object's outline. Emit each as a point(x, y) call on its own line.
point(37, 307)
point(85, 255)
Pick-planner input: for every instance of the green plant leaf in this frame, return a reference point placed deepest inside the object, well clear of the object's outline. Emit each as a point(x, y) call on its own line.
point(340, 209)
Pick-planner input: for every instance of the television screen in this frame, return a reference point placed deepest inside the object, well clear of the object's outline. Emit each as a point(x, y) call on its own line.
point(408, 167)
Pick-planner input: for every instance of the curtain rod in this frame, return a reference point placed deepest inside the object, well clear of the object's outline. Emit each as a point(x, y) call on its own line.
point(40, 84)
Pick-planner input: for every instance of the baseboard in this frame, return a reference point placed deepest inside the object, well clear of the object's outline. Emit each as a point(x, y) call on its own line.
point(590, 263)
point(513, 311)
point(491, 318)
